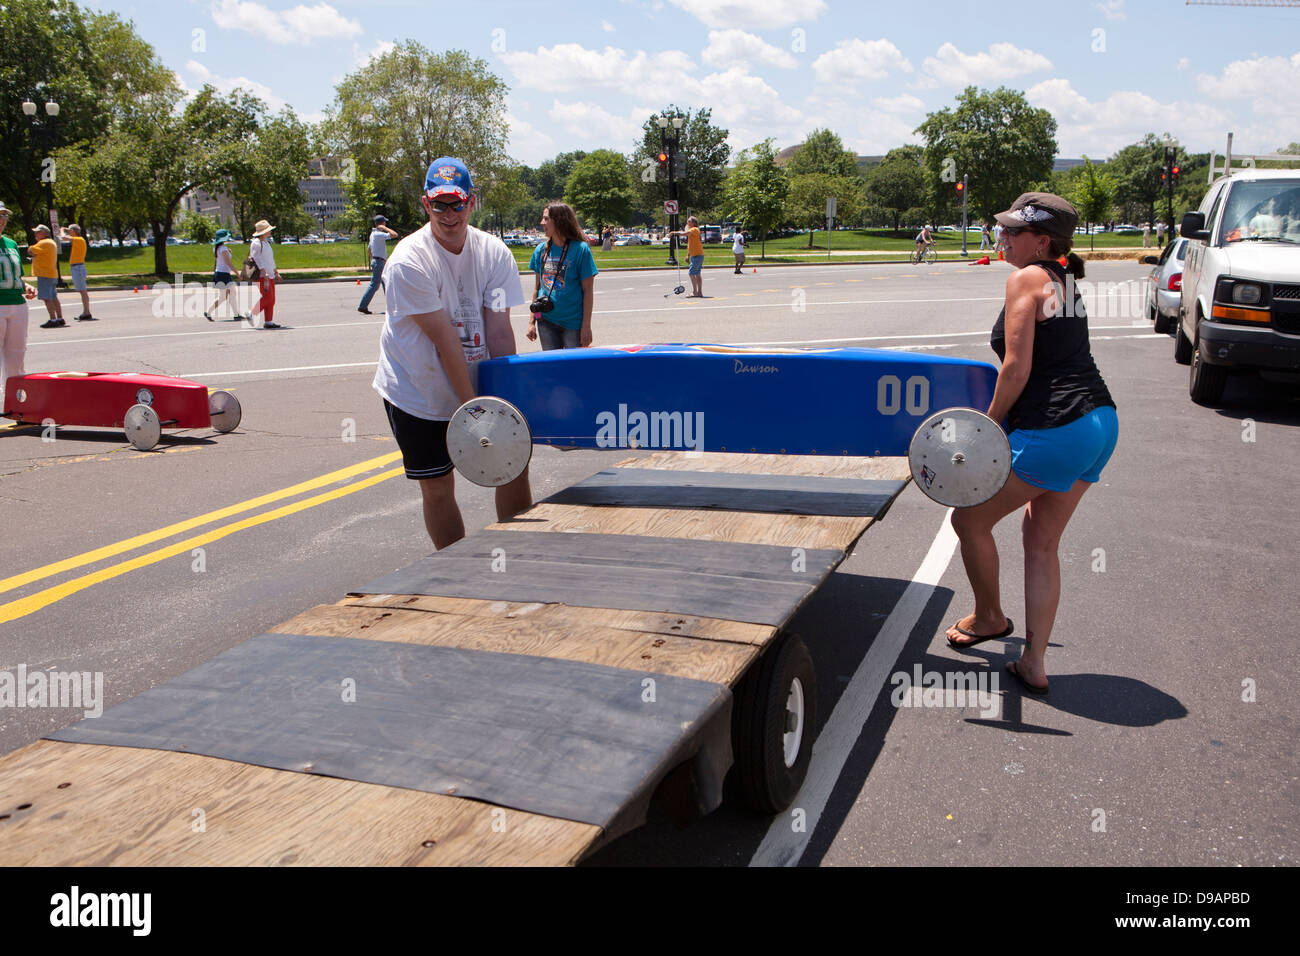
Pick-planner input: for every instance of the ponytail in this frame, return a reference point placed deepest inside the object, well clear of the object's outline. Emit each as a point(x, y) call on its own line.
point(1059, 248)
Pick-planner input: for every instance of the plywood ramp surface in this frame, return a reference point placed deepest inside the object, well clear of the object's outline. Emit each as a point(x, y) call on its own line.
point(718, 661)
point(795, 531)
point(122, 806)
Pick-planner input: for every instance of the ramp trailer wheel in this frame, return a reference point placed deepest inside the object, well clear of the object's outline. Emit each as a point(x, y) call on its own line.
point(773, 720)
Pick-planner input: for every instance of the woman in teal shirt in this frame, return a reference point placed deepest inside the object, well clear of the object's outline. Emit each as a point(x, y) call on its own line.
point(566, 275)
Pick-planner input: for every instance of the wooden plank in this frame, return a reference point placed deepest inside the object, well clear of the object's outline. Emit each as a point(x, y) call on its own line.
point(560, 616)
point(794, 531)
point(119, 806)
point(717, 661)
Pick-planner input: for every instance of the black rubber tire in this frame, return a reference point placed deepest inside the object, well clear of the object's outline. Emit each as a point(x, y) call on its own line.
point(1182, 347)
point(763, 781)
point(1163, 323)
point(1206, 382)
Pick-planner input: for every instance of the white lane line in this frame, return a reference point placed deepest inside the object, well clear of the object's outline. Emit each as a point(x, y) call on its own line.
point(810, 303)
point(167, 335)
point(260, 371)
point(782, 846)
point(889, 338)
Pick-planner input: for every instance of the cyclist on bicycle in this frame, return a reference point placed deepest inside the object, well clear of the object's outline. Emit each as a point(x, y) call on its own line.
point(923, 241)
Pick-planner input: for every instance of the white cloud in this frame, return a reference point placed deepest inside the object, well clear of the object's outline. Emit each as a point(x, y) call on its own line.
point(900, 104)
point(297, 25)
point(756, 14)
point(568, 67)
point(1112, 9)
point(1003, 61)
point(595, 124)
point(855, 60)
point(1183, 63)
point(607, 26)
point(225, 84)
point(1267, 81)
point(738, 48)
point(362, 57)
point(528, 143)
point(1124, 117)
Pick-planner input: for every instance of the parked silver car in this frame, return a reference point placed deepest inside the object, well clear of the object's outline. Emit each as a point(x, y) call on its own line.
point(1165, 284)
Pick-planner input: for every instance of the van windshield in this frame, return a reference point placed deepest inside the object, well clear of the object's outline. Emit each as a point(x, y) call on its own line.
point(1268, 210)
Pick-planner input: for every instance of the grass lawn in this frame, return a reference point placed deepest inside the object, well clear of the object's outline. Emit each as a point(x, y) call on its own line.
point(135, 265)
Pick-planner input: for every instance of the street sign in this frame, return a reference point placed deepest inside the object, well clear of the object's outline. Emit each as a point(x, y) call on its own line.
point(670, 206)
point(830, 207)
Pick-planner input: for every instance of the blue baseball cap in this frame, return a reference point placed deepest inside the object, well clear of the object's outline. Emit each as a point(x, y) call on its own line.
point(448, 175)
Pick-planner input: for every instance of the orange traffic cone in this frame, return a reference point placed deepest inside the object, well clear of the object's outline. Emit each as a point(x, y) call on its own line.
point(756, 271)
point(358, 282)
point(135, 288)
point(1001, 258)
point(1063, 261)
point(981, 261)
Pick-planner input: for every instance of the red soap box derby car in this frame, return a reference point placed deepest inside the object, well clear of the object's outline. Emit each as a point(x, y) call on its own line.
point(140, 403)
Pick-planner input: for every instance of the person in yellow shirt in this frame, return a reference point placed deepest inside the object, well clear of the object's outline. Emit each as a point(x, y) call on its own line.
point(45, 257)
point(77, 266)
point(695, 250)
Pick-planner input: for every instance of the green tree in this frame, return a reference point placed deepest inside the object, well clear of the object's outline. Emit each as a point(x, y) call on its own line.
point(755, 190)
point(197, 227)
point(806, 200)
point(404, 109)
point(1138, 170)
point(92, 64)
point(704, 148)
point(261, 172)
point(600, 190)
point(502, 194)
point(1093, 195)
point(997, 139)
point(547, 182)
point(822, 151)
point(900, 182)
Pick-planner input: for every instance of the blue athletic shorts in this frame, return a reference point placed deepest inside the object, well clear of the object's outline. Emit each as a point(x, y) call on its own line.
point(697, 263)
point(1055, 458)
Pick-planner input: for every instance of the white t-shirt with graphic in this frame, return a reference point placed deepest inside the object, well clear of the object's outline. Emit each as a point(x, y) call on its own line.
point(421, 277)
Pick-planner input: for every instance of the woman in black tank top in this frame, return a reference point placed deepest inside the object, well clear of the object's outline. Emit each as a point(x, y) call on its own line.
point(1061, 422)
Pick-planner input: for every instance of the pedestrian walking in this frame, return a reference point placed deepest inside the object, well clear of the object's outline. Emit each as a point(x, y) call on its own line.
point(1146, 234)
point(1160, 234)
point(449, 288)
point(564, 292)
point(738, 250)
point(607, 240)
point(1062, 429)
point(223, 275)
point(985, 238)
point(45, 257)
point(263, 256)
point(14, 293)
point(997, 240)
point(379, 237)
point(77, 267)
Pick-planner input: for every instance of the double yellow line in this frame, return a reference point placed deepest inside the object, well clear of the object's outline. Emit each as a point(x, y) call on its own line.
point(34, 602)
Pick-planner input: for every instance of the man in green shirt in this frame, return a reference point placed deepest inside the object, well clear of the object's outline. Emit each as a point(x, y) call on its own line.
point(14, 293)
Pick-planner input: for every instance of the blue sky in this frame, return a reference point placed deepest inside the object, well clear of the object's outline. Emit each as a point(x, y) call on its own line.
point(585, 75)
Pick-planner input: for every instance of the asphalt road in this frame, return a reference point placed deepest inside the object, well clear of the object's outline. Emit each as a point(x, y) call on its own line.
point(1169, 734)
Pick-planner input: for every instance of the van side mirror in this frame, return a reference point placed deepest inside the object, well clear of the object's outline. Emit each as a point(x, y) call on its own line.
point(1193, 226)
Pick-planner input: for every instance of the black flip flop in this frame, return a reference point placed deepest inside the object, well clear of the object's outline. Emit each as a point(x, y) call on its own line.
point(980, 638)
point(1015, 672)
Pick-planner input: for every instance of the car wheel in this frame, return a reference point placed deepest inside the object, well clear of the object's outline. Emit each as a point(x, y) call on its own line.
point(1163, 322)
point(1182, 347)
point(1206, 381)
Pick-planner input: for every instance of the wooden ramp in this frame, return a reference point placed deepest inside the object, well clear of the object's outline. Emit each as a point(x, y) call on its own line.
point(79, 804)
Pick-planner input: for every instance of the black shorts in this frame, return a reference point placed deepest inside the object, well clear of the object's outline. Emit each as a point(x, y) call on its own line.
point(423, 443)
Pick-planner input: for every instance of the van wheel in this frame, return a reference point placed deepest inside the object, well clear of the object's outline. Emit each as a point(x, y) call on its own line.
point(1207, 381)
point(1182, 347)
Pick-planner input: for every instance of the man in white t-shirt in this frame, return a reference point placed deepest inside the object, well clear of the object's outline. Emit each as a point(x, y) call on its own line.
point(449, 291)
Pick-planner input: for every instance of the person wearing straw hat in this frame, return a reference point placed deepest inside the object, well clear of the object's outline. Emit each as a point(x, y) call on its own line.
point(223, 275)
point(14, 293)
point(260, 251)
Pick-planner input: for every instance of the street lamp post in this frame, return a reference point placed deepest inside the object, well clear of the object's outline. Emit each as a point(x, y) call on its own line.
point(671, 143)
point(47, 133)
point(320, 211)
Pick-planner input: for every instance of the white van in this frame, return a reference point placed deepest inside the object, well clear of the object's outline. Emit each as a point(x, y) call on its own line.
point(1240, 306)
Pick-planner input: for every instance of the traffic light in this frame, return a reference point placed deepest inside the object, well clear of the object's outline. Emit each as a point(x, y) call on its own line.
point(679, 166)
point(961, 188)
point(663, 161)
point(1175, 174)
